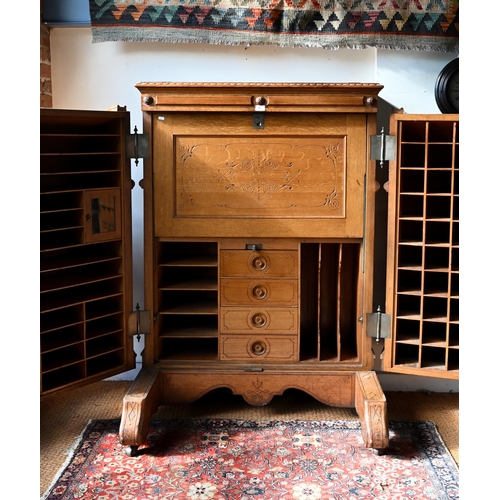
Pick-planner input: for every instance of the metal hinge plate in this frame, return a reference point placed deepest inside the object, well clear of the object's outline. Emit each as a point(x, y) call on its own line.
point(139, 323)
point(378, 325)
point(137, 145)
point(382, 147)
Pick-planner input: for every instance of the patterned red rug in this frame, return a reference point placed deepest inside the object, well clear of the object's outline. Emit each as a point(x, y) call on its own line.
point(205, 459)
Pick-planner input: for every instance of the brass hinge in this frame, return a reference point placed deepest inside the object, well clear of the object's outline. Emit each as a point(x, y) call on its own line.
point(137, 146)
point(378, 325)
point(138, 323)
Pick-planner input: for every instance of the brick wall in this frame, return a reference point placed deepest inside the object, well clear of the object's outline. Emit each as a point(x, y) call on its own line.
point(45, 70)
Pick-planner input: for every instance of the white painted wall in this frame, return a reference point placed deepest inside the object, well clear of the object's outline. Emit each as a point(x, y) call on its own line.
point(99, 76)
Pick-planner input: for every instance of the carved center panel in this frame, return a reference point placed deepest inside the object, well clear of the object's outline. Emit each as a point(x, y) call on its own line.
point(260, 177)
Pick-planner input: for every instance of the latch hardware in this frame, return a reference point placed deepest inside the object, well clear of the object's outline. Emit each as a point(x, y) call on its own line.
point(138, 323)
point(258, 121)
point(382, 147)
point(378, 325)
point(137, 146)
point(253, 246)
point(260, 104)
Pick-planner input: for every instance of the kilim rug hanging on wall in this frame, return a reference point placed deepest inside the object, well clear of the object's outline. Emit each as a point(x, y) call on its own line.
point(216, 459)
point(331, 24)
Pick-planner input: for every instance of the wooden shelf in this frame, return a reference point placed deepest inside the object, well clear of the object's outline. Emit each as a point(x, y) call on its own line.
point(189, 349)
point(191, 261)
point(78, 256)
point(192, 307)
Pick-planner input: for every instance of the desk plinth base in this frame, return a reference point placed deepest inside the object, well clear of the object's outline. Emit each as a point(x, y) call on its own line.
point(157, 387)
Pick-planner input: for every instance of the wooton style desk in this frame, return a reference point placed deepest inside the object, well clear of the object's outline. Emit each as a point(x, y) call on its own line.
point(259, 247)
point(259, 206)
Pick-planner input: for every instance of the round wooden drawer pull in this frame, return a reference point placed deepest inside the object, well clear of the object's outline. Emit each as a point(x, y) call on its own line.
point(259, 292)
point(258, 320)
point(258, 348)
point(259, 263)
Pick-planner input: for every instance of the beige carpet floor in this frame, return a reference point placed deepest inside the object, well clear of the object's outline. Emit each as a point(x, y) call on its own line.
point(63, 416)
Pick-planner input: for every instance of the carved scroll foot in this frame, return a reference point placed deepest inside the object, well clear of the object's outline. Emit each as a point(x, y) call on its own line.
point(371, 406)
point(139, 404)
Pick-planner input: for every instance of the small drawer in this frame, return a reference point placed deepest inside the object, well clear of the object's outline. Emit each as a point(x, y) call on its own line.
point(276, 293)
point(248, 263)
point(261, 348)
point(247, 320)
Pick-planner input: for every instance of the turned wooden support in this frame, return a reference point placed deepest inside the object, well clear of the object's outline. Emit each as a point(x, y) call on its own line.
point(139, 404)
point(371, 406)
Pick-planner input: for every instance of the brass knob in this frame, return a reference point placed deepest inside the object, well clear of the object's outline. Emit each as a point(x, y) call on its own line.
point(259, 320)
point(258, 348)
point(260, 101)
point(259, 292)
point(259, 263)
point(148, 100)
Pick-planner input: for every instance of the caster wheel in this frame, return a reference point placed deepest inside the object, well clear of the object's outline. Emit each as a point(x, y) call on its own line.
point(131, 451)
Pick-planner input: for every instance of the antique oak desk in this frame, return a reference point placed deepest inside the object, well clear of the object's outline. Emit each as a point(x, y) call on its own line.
point(259, 243)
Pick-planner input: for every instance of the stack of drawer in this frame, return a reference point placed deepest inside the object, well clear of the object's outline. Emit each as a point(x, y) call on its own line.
point(259, 313)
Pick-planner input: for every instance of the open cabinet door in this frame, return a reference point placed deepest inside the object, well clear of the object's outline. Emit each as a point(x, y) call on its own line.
point(422, 267)
point(85, 247)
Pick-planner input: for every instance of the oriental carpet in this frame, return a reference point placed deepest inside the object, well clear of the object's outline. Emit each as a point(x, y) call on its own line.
point(204, 459)
point(331, 24)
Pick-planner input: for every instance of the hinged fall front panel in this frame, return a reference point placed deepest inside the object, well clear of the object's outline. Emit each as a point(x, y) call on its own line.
point(301, 176)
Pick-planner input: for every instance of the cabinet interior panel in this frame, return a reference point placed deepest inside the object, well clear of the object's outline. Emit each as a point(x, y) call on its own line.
point(329, 277)
point(79, 256)
point(55, 339)
point(188, 325)
point(410, 257)
point(107, 362)
point(413, 131)
point(83, 163)
point(309, 301)
point(188, 349)
point(434, 334)
point(107, 325)
point(440, 131)
point(413, 155)
point(63, 377)
point(64, 182)
point(440, 156)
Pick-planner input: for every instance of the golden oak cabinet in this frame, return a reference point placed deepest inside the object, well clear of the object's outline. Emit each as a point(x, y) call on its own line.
point(259, 242)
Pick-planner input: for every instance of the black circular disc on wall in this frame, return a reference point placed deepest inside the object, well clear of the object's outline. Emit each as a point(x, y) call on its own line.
point(446, 89)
